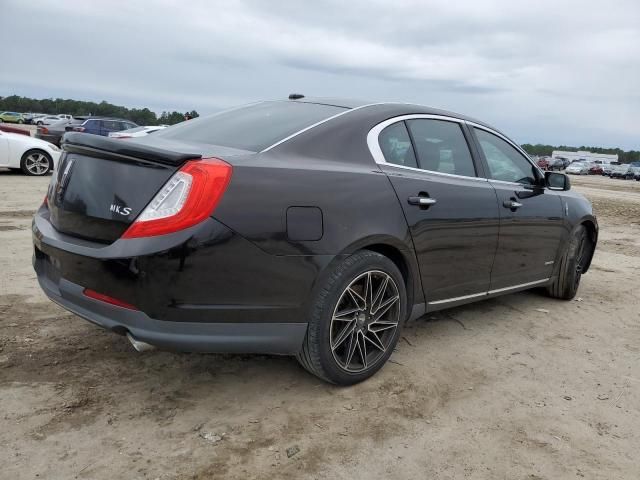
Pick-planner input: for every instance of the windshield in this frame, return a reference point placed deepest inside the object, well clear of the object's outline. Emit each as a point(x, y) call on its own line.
point(253, 127)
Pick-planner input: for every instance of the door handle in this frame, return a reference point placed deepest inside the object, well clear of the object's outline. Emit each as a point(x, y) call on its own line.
point(422, 201)
point(511, 204)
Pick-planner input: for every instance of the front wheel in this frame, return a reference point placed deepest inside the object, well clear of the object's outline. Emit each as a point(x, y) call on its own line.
point(572, 264)
point(355, 319)
point(36, 163)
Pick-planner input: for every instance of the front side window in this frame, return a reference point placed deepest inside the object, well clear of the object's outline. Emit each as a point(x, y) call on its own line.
point(395, 144)
point(505, 162)
point(441, 147)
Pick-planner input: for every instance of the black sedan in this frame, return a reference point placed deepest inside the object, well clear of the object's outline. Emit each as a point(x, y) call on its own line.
point(308, 227)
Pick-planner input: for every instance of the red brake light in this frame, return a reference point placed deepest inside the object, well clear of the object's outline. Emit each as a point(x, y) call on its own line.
point(43, 129)
point(188, 198)
point(107, 299)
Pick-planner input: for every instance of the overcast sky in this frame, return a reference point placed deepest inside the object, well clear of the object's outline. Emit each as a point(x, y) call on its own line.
point(559, 72)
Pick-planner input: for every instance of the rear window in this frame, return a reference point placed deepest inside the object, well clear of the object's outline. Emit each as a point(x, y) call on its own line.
point(254, 127)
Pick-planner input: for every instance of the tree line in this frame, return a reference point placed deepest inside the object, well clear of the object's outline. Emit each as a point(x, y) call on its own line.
point(141, 116)
point(545, 151)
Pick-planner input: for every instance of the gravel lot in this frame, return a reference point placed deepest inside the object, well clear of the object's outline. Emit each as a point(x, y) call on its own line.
point(519, 387)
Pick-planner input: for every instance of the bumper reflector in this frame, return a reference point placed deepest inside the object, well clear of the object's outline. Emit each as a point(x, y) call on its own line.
point(107, 299)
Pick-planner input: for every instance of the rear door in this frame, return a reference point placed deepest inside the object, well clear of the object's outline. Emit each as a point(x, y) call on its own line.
point(451, 211)
point(532, 226)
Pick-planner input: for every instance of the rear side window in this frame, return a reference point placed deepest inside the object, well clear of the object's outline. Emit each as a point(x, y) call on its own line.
point(254, 127)
point(111, 125)
point(441, 147)
point(395, 144)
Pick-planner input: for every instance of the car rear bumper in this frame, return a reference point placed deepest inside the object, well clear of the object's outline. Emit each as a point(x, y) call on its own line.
point(277, 338)
point(214, 298)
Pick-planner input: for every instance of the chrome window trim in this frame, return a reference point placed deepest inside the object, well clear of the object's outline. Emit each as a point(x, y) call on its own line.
point(457, 299)
point(489, 292)
point(376, 152)
point(299, 132)
point(522, 285)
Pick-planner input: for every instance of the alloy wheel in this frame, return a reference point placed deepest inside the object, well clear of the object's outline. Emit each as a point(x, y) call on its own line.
point(365, 321)
point(36, 163)
point(580, 254)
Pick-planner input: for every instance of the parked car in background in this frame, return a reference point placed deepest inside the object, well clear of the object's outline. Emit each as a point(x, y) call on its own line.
point(28, 117)
point(635, 168)
point(156, 239)
point(543, 163)
point(11, 117)
point(30, 155)
point(53, 133)
point(622, 171)
point(578, 168)
point(101, 126)
point(137, 132)
point(606, 168)
point(50, 119)
point(556, 164)
point(565, 162)
point(595, 170)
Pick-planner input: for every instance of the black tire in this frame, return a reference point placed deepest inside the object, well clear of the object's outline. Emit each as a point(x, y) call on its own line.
point(36, 163)
point(572, 263)
point(326, 347)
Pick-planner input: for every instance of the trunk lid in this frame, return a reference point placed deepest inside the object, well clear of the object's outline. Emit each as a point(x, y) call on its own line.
point(101, 184)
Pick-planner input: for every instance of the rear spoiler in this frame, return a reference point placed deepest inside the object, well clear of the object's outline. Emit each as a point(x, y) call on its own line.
point(104, 147)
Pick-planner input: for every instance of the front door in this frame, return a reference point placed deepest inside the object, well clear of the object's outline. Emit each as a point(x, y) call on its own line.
point(532, 225)
point(451, 211)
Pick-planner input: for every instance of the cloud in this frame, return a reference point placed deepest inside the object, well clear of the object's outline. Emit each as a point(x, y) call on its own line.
point(547, 71)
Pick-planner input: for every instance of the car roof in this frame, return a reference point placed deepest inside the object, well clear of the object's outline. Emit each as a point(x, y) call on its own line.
point(104, 118)
point(402, 108)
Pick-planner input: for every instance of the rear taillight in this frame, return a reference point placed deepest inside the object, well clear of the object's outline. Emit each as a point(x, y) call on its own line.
point(188, 198)
point(78, 129)
point(43, 130)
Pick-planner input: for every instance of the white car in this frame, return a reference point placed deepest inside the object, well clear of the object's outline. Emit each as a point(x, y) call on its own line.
point(137, 131)
point(50, 119)
point(578, 168)
point(31, 155)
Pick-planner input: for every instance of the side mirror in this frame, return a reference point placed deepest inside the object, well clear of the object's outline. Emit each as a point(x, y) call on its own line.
point(557, 181)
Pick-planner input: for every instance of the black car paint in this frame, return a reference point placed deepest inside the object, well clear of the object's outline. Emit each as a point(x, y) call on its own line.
point(246, 264)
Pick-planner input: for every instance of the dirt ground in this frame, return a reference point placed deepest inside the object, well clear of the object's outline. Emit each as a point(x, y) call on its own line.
point(519, 387)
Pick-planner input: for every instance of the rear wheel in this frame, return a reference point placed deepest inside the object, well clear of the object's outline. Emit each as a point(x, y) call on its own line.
point(35, 163)
point(355, 319)
point(572, 264)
